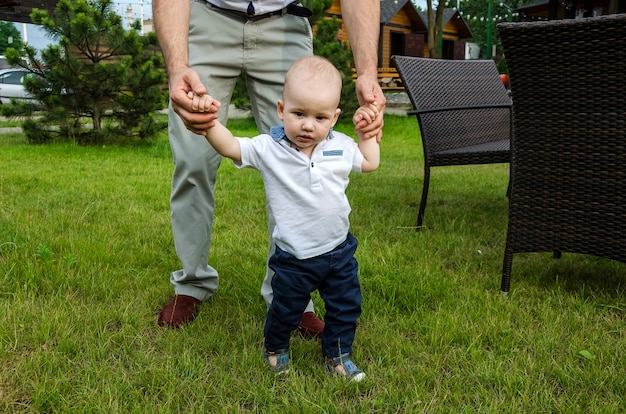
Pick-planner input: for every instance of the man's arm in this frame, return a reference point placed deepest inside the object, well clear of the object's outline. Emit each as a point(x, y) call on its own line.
point(171, 22)
point(362, 20)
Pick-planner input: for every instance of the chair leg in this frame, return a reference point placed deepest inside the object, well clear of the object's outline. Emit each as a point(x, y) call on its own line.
point(420, 214)
point(508, 187)
point(507, 264)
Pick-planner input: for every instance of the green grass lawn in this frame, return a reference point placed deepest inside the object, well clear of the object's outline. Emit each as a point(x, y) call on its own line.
point(85, 255)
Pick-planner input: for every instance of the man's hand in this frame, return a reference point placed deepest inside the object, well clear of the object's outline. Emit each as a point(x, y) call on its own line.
point(369, 92)
point(182, 83)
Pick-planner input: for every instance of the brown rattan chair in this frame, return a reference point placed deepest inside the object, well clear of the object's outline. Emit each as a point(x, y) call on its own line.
point(463, 111)
point(568, 166)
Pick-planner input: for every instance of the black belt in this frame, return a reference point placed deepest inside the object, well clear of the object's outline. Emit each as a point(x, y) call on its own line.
point(292, 8)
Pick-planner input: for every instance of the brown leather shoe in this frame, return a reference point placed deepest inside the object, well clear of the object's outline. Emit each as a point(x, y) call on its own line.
point(311, 327)
point(181, 309)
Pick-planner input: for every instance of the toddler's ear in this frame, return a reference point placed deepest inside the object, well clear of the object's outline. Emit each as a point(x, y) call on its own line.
point(336, 117)
point(280, 109)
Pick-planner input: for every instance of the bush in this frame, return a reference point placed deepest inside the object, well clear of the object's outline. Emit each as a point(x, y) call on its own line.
point(98, 72)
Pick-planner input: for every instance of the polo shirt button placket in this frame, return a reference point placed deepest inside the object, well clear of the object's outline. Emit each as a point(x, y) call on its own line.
point(316, 182)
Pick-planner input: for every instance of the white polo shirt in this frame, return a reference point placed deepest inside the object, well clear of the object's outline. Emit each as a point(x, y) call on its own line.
point(260, 6)
point(306, 195)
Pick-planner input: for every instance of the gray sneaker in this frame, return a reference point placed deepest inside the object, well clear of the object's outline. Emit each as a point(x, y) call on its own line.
point(344, 367)
point(278, 362)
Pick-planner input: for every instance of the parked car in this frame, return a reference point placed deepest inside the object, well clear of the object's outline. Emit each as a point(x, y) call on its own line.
point(12, 85)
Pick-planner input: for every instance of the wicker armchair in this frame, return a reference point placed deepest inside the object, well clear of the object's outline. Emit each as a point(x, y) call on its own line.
point(463, 111)
point(568, 167)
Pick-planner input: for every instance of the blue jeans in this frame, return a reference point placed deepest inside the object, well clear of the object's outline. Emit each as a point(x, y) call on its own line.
point(335, 276)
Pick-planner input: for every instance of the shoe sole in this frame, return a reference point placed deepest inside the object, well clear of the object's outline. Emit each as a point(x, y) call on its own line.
point(358, 377)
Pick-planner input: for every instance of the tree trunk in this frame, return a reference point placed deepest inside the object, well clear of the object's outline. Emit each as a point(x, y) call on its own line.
point(97, 119)
point(435, 28)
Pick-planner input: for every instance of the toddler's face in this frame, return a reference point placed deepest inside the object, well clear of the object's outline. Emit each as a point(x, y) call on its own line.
point(308, 114)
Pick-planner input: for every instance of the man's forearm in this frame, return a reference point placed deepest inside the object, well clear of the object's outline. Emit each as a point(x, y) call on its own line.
point(171, 22)
point(362, 20)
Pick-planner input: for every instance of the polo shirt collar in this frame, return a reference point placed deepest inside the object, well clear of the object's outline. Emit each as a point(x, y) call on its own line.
point(278, 133)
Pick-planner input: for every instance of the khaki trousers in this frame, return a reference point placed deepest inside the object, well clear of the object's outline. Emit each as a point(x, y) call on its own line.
point(220, 49)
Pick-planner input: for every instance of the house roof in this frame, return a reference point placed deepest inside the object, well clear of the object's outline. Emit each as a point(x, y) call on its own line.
point(389, 8)
point(451, 14)
point(539, 8)
point(19, 10)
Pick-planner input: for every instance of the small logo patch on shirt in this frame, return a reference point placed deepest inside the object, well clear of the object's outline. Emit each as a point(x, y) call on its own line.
point(333, 153)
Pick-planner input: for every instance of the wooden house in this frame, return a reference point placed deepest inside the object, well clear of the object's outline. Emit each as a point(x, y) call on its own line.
point(19, 10)
point(570, 9)
point(404, 31)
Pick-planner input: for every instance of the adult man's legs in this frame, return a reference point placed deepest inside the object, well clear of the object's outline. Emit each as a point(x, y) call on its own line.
point(213, 52)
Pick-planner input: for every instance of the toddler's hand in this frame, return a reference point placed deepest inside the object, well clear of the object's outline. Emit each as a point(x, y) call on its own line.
point(203, 103)
point(367, 113)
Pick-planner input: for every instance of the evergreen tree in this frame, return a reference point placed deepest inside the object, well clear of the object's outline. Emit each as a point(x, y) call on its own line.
point(96, 71)
point(9, 37)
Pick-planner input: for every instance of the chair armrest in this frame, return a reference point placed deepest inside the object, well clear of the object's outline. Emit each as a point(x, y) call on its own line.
point(457, 108)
